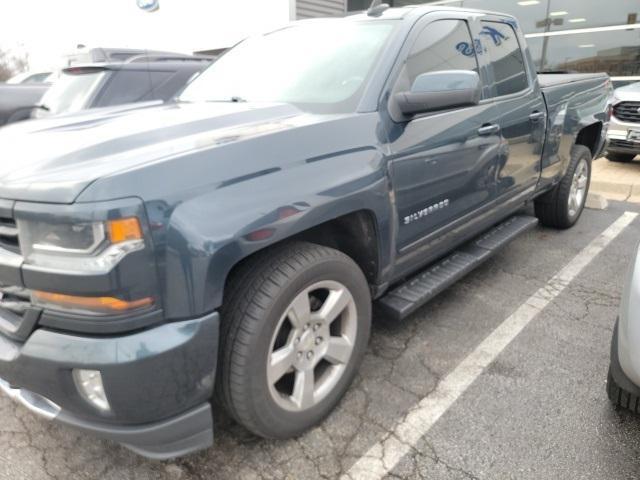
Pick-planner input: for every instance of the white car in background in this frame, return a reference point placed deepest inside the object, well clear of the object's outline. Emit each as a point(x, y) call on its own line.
point(31, 77)
point(623, 137)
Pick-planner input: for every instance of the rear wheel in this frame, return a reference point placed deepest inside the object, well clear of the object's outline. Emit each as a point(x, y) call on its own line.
point(562, 206)
point(296, 324)
point(620, 157)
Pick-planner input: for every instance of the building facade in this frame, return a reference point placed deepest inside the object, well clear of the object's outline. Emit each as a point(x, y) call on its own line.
point(563, 35)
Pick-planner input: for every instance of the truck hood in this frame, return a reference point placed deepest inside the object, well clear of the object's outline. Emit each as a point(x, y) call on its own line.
point(54, 160)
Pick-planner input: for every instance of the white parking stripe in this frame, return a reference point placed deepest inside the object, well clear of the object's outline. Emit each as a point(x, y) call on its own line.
point(380, 459)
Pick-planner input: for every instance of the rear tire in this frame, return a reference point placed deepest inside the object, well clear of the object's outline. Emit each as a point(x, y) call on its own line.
point(285, 363)
point(562, 206)
point(620, 157)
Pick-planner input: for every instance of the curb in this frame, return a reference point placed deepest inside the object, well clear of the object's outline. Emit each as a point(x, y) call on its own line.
point(595, 201)
point(625, 192)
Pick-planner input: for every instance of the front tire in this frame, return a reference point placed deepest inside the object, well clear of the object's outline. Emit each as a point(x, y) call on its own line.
point(562, 206)
point(295, 326)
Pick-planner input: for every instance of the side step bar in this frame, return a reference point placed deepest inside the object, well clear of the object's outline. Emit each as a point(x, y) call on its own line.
point(418, 290)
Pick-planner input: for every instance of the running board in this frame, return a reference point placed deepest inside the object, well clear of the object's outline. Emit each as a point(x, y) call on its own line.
point(418, 290)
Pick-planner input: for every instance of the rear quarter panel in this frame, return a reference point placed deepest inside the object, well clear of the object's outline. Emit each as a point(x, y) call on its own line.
point(571, 106)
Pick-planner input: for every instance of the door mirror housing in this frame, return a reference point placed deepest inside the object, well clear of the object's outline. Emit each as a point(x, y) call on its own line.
point(439, 91)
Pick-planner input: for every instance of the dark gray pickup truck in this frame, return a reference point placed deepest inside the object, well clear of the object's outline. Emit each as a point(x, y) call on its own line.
point(226, 250)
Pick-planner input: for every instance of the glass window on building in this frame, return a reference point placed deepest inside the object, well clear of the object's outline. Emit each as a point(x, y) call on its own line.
point(573, 14)
point(615, 52)
point(612, 45)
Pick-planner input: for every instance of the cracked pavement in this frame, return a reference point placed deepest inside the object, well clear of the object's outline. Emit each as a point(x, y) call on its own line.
point(539, 411)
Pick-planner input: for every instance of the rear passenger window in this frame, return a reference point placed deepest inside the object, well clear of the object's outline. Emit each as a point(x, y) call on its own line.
point(442, 45)
point(499, 40)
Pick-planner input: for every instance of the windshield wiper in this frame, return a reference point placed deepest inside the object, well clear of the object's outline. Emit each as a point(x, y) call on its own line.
point(234, 99)
point(42, 107)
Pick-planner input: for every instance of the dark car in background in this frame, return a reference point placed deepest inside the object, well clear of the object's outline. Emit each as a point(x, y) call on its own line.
point(31, 78)
point(105, 85)
point(17, 100)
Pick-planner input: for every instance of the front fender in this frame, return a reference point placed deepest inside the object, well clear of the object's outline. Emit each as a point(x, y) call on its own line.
point(210, 233)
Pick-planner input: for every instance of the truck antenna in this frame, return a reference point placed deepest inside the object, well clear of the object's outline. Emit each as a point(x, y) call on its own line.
point(377, 8)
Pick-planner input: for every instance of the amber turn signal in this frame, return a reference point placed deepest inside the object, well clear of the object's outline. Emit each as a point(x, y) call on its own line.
point(124, 229)
point(95, 304)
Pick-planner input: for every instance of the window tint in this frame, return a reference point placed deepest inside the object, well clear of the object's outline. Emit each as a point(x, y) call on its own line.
point(129, 86)
point(442, 45)
point(500, 42)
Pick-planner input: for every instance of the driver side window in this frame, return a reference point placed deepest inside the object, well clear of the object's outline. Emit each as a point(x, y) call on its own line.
point(442, 45)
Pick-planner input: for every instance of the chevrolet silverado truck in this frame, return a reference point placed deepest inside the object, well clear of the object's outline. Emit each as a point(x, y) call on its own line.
point(226, 250)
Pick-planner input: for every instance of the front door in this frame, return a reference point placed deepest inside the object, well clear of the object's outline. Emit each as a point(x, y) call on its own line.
point(443, 164)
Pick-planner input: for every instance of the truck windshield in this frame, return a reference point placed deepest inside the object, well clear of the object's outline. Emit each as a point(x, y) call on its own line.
point(319, 67)
point(69, 93)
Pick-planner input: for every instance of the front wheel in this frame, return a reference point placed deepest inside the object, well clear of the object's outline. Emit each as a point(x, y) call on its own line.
point(296, 325)
point(562, 206)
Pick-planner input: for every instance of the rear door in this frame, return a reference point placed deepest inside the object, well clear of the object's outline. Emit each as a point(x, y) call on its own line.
point(519, 106)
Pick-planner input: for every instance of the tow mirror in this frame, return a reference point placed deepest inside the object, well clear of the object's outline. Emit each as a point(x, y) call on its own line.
point(439, 91)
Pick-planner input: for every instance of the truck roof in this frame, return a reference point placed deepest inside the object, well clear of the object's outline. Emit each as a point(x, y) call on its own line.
point(407, 11)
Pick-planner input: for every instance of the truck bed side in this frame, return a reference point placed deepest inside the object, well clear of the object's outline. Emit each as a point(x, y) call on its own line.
point(576, 107)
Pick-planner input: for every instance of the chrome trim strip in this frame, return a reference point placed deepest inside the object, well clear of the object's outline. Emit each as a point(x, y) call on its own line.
point(32, 401)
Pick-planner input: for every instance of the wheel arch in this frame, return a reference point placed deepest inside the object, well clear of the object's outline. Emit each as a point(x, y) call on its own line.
point(356, 234)
point(590, 137)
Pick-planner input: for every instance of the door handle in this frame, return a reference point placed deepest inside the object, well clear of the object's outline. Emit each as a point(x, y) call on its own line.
point(535, 116)
point(489, 129)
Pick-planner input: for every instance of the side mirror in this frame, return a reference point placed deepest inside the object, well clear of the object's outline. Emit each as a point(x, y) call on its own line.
point(439, 91)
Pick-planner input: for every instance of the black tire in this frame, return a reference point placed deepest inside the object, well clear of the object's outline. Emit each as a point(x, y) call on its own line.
point(620, 157)
point(620, 397)
point(552, 208)
point(256, 298)
point(622, 392)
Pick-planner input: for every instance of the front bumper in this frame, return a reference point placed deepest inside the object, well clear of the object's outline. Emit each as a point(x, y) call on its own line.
point(158, 382)
point(618, 137)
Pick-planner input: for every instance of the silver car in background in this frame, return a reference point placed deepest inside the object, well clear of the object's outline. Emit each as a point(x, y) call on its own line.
point(623, 382)
point(623, 137)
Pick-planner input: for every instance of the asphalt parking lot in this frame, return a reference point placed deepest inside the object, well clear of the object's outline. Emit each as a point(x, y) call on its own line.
point(539, 409)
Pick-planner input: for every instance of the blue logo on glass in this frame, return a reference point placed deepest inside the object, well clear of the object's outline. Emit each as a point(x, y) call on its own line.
point(148, 5)
point(496, 36)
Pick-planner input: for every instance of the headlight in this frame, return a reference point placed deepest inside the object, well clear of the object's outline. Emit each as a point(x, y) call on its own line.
point(94, 247)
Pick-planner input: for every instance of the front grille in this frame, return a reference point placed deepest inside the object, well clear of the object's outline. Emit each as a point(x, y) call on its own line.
point(9, 235)
point(16, 300)
point(627, 111)
point(18, 317)
point(624, 144)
